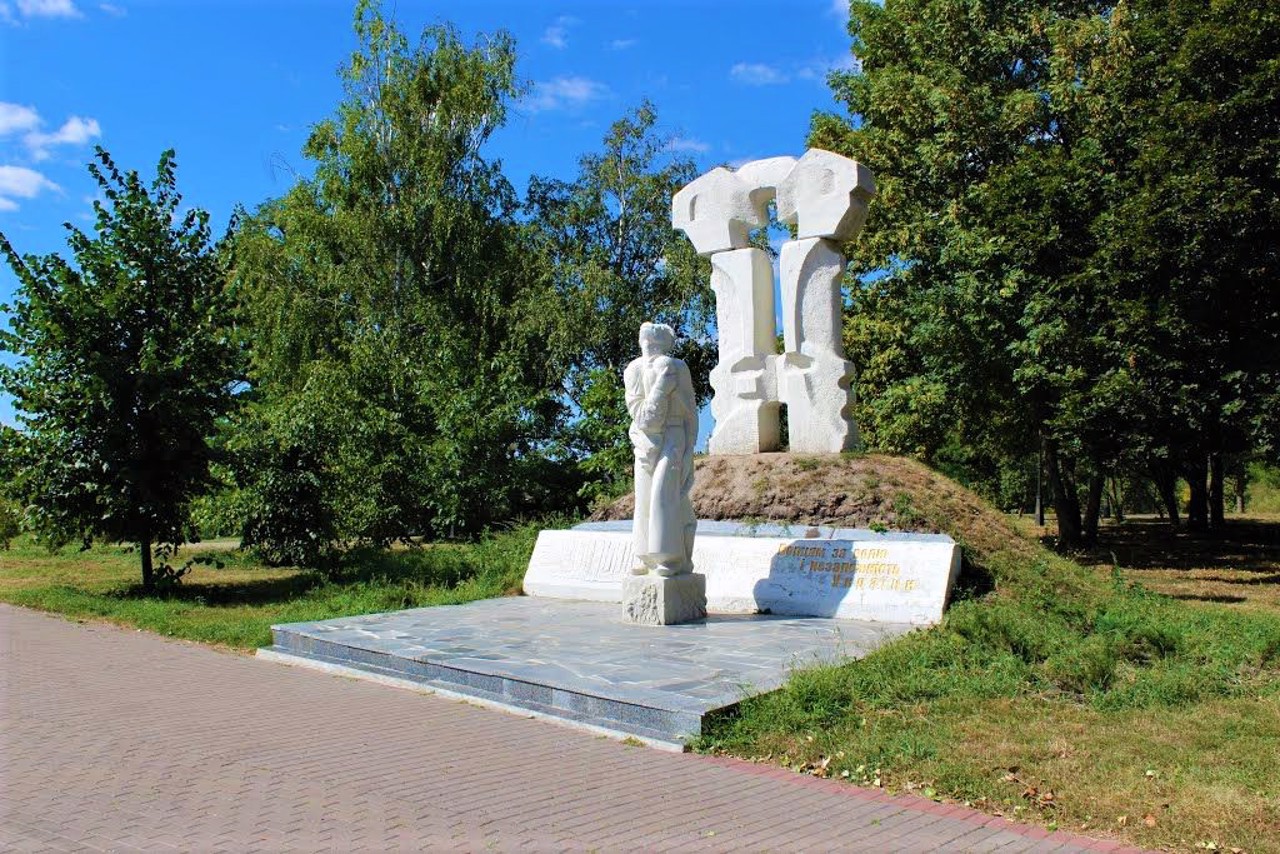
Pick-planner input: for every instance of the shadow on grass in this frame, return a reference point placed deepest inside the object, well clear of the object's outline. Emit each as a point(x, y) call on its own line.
point(1222, 600)
point(1243, 544)
point(430, 566)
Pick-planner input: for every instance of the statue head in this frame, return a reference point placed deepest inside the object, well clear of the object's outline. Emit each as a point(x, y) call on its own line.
point(656, 339)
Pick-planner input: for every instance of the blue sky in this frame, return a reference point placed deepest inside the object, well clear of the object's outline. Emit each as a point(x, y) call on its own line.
point(234, 86)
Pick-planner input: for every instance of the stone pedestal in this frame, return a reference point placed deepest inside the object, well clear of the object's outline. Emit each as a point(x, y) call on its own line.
point(652, 600)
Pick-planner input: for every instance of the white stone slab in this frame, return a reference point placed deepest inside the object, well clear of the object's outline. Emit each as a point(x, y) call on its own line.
point(884, 578)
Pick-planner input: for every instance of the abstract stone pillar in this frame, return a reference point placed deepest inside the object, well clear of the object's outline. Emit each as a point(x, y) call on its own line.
point(812, 375)
point(742, 280)
point(825, 197)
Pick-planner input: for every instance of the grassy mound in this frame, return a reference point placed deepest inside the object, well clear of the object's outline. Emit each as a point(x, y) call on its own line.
point(1050, 689)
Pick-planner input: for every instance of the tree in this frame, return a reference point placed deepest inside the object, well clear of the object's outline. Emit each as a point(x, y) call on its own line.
point(125, 362)
point(1022, 278)
point(400, 368)
point(617, 262)
point(1192, 236)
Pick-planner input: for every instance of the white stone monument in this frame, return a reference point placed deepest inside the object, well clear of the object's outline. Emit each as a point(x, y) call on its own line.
point(825, 197)
point(742, 569)
point(662, 588)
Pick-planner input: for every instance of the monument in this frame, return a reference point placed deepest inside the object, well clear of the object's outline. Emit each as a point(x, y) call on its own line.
point(824, 196)
point(584, 662)
point(662, 589)
point(848, 573)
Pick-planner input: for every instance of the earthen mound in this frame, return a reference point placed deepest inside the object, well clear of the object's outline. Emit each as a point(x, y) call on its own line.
point(843, 490)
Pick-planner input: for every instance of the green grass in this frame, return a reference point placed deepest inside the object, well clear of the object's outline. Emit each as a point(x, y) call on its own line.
point(1052, 697)
point(1264, 489)
point(236, 605)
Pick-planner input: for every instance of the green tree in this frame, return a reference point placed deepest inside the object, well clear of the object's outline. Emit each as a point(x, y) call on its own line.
point(1191, 120)
point(1032, 277)
point(124, 364)
point(617, 262)
point(400, 365)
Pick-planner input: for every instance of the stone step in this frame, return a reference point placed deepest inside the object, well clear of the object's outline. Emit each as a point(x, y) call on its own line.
point(580, 662)
point(665, 727)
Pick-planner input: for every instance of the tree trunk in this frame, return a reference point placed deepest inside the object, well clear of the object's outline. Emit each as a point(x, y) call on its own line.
point(1217, 492)
point(1065, 501)
point(1117, 502)
point(1198, 504)
point(1092, 509)
point(1167, 485)
point(148, 573)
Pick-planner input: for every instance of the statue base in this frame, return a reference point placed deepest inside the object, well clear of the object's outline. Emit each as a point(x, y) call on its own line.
point(652, 600)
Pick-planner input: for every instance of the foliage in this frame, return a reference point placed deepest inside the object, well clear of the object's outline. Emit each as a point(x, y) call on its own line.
point(1263, 490)
point(1072, 246)
point(10, 522)
point(617, 262)
point(400, 361)
point(125, 364)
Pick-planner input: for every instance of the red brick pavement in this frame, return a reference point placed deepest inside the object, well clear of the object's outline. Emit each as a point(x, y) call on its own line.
point(120, 740)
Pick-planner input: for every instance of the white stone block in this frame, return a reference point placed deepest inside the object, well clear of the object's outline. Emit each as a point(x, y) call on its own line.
point(572, 565)
point(813, 378)
point(811, 272)
point(900, 578)
point(652, 600)
point(818, 393)
point(826, 195)
point(765, 176)
point(716, 211)
point(742, 281)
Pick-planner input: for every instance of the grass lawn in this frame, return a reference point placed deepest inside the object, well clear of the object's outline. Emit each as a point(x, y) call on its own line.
point(235, 606)
point(1072, 695)
point(1059, 691)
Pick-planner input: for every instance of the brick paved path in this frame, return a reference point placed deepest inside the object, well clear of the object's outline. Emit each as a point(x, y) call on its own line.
point(120, 740)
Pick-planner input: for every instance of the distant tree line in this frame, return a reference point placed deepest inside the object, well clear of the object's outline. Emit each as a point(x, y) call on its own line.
point(1072, 260)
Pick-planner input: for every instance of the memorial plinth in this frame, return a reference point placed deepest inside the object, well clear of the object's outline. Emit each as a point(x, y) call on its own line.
point(652, 600)
point(846, 573)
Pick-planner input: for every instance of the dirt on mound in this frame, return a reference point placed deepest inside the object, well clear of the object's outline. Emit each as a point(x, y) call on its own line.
point(842, 490)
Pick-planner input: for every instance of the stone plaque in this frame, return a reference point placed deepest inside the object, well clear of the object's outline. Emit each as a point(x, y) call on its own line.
point(848, 573)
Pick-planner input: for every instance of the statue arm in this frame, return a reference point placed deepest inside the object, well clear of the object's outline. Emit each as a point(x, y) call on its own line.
point(653, 413)
point(634, 395)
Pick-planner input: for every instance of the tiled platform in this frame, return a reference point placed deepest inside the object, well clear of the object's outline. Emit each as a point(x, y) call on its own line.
point(579, 662)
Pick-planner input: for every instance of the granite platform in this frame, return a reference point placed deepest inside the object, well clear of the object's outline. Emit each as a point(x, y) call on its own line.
point(578, 662)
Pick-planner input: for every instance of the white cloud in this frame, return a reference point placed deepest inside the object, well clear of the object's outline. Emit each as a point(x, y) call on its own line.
point(840, 8)
point(681, 143)
point(757, 74)
point(74, 131)
point(48, 9)
point(6, 14)
point(556, 35)
point(562, 93)
point(22, 183)
point(16, 117)
point(818, 69)
point(113, 10)
point(621, 44)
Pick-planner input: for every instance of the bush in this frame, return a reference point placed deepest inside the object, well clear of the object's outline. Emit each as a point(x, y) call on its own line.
point(10, 522)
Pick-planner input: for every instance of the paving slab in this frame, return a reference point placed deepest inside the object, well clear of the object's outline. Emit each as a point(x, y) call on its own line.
point(114, 739)
point(579, 661)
